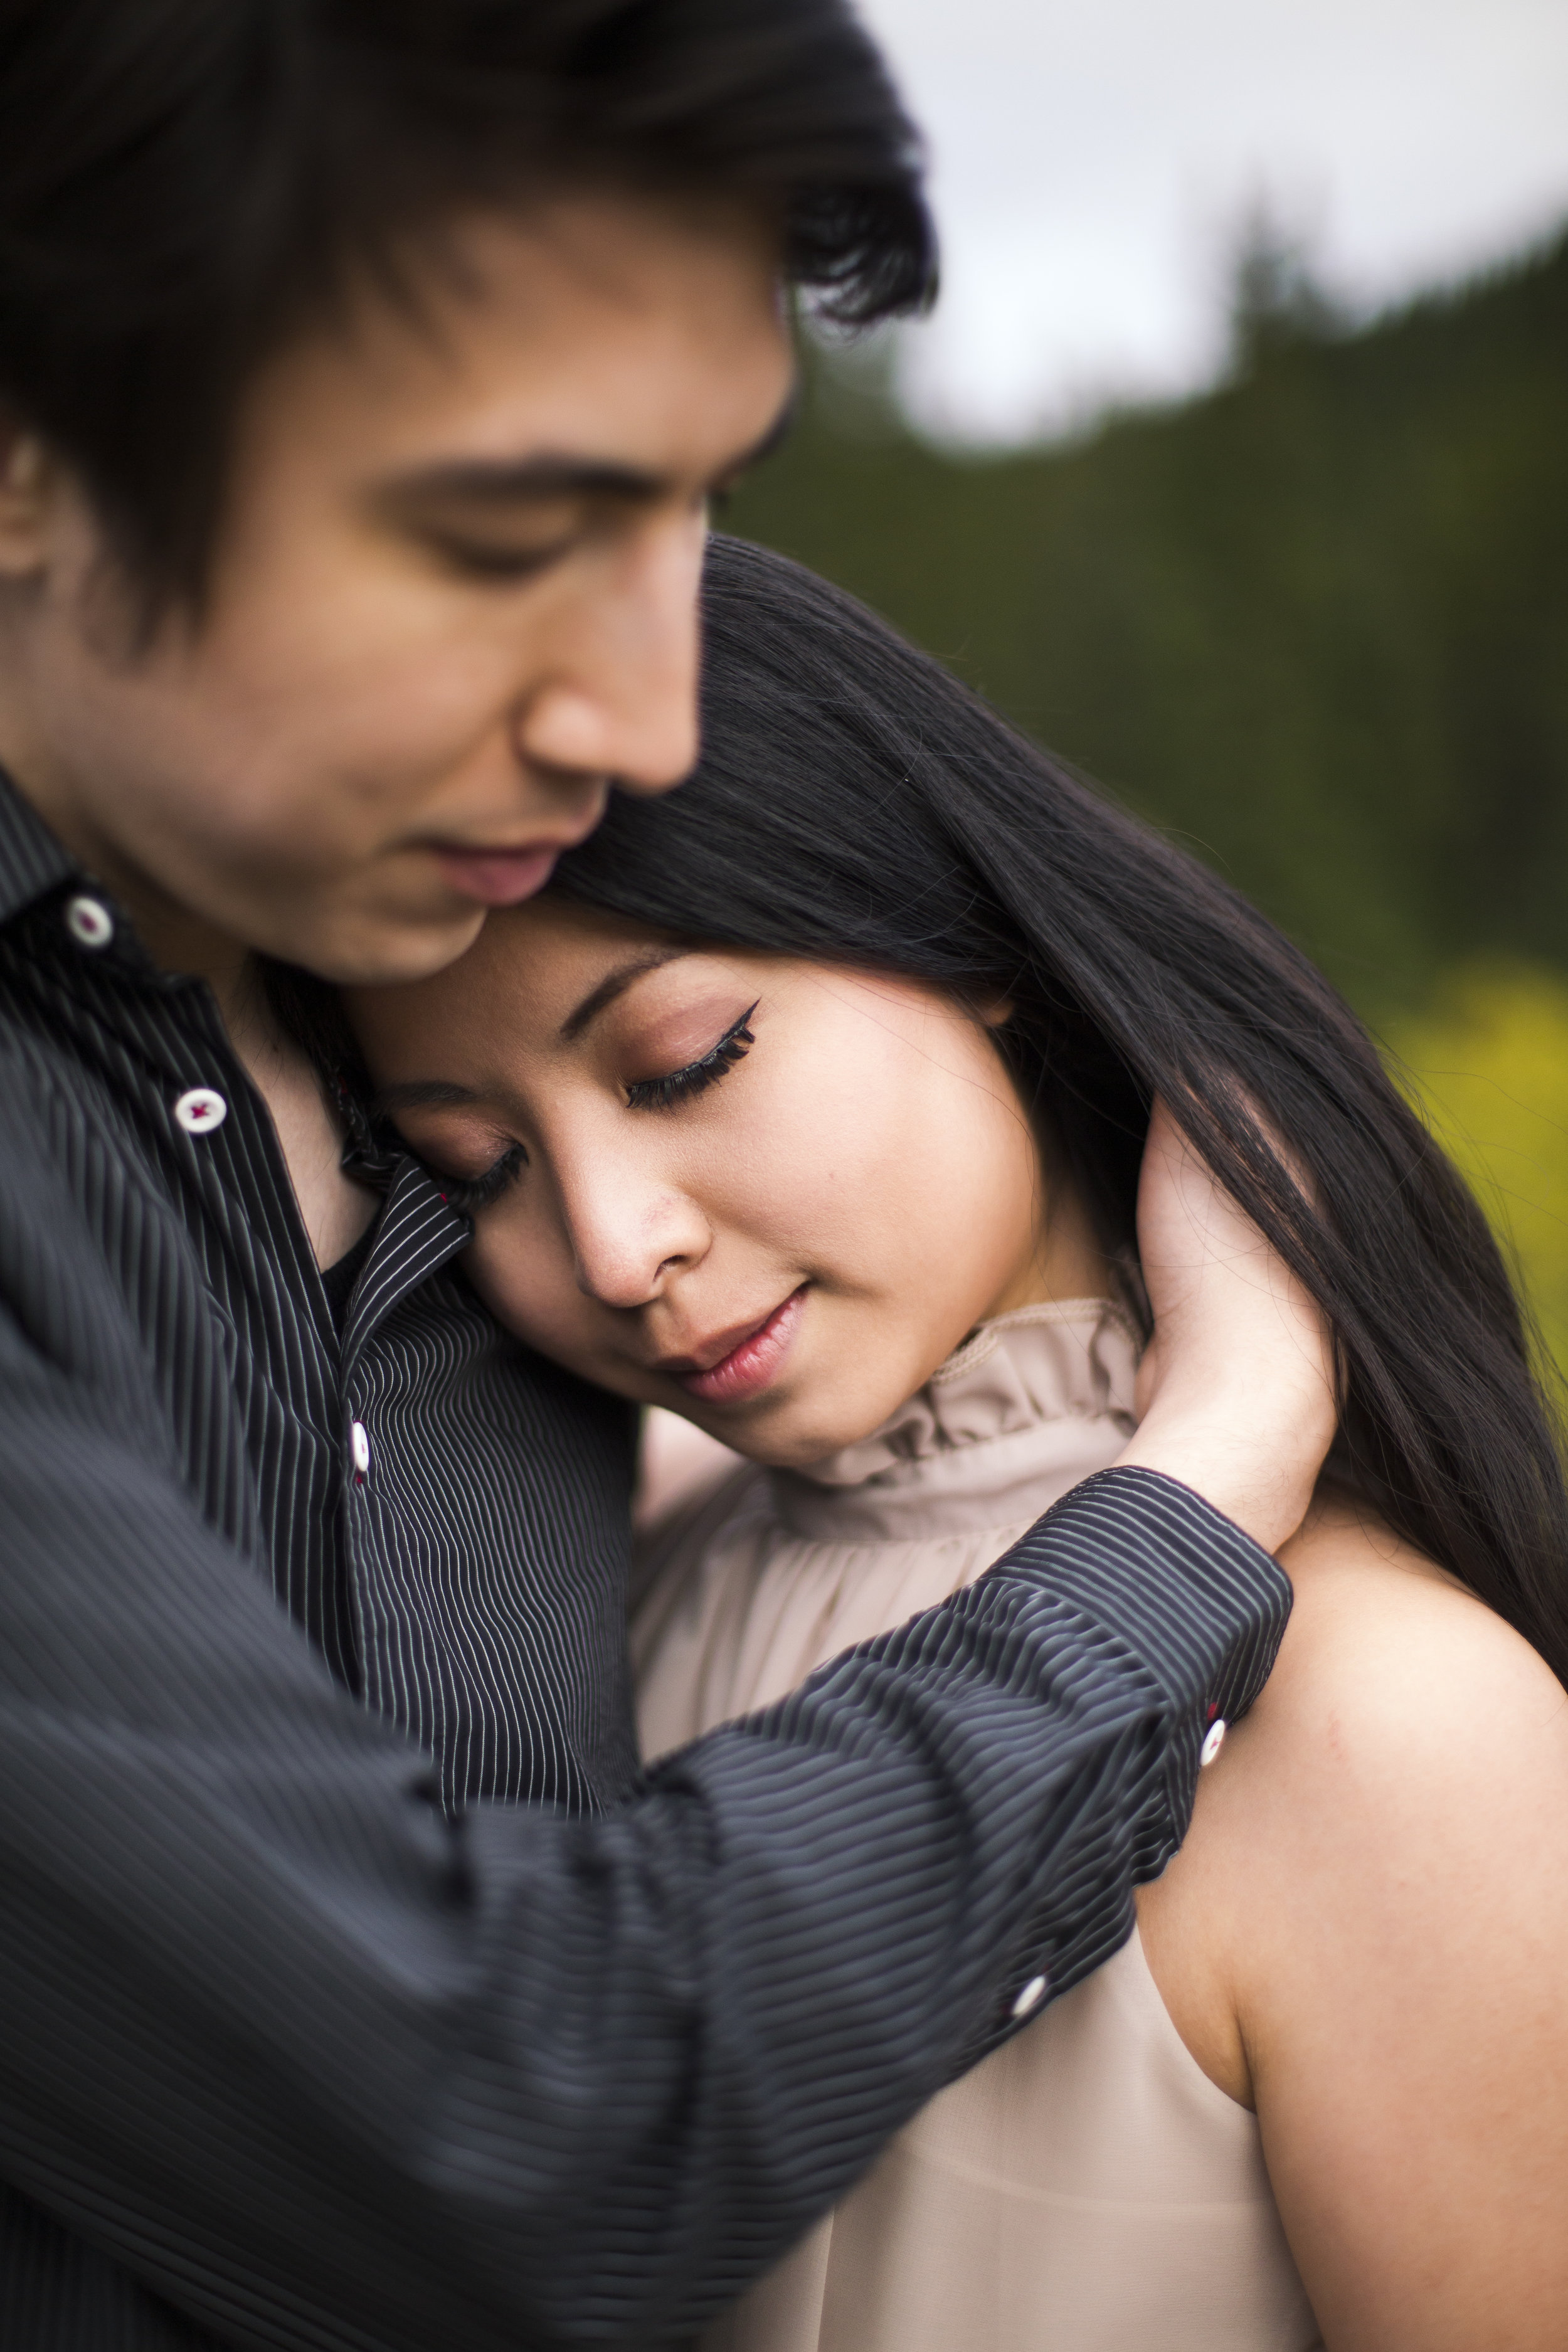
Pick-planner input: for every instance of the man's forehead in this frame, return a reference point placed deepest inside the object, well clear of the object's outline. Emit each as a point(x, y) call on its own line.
point(509, 350)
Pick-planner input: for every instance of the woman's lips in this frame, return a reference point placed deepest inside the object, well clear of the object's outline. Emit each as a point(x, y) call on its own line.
point(751, 1362)
point(498, 877)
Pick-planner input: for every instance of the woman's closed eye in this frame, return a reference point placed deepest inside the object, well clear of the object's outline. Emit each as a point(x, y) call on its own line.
point(469, 1194)
point(679, 1086)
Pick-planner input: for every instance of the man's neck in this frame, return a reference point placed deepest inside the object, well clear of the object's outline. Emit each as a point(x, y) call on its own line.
point(335, 1210)
point(181, 941)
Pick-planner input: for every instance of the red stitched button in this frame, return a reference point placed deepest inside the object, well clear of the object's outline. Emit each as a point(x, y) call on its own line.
point(88, 922)
point(200, 1110)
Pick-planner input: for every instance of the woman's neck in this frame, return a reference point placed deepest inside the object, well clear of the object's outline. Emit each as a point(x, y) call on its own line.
point(1066, 1261)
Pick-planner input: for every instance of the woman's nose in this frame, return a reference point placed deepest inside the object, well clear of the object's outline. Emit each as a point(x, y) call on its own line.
point(629, 1239)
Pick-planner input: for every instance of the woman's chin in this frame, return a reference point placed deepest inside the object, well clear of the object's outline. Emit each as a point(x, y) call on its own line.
point(790, 1434)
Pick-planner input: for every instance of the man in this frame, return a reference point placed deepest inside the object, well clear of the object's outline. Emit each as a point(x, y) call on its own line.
point(365, 371)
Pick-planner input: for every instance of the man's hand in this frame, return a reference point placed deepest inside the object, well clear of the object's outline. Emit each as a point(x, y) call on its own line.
point(1236, 1388)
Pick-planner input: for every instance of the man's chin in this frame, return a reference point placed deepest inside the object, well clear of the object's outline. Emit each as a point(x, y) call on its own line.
point(370, 952)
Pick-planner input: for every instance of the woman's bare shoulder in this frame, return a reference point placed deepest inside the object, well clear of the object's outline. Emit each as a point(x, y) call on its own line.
point(1408, 1739)
point(1364, 1937)
point(1386, 1844)
point(1385, 1646)
point(1403, 1712)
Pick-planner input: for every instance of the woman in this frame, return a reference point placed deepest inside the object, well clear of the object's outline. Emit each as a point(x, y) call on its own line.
point(810, 1105)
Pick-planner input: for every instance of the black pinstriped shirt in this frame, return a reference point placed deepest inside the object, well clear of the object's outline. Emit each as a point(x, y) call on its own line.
point(353, 1990)
point(403, 1573)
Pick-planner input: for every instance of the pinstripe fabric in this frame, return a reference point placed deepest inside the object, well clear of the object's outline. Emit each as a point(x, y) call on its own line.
point(307, 2041)
point(404, 1579)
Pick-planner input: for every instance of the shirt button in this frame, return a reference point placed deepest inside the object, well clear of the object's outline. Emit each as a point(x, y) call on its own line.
point(200, 1110)
point(1029, 1999)
point(1214, 1741)
point(359, 1447)
point(88, 922)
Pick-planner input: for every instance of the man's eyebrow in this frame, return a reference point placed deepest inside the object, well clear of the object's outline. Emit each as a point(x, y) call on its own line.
point(421, 1094)
point(612, 985)
point(520, 481)
point(548, 475)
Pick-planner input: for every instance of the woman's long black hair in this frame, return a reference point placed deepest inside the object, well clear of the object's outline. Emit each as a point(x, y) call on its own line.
point(854, 804)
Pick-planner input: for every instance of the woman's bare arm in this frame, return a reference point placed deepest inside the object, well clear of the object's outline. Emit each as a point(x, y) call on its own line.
point(1367, 1937)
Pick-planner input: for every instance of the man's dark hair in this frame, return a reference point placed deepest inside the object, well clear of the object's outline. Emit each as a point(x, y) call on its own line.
point(182, 182)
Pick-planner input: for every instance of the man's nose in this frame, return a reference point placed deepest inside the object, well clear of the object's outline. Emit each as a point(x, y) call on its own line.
point(620, 699)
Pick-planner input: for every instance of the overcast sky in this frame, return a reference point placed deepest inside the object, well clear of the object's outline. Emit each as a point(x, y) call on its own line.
point(1091, 162)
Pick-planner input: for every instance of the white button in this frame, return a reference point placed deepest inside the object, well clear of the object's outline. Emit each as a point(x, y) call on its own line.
point(89, 923)
point(201, 1110)
point(1214, 1741)
point(359, 1447)
point(1034, 1992)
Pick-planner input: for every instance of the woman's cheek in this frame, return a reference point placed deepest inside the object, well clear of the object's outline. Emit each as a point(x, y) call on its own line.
point(808, 1166)
point(513, 1271)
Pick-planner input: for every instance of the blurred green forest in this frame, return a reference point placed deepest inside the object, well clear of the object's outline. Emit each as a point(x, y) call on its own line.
point(1314, 623)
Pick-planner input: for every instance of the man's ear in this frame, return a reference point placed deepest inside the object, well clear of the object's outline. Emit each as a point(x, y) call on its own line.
point(28, 482)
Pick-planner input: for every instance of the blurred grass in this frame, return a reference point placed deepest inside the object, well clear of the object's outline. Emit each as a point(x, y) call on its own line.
point(1488, 1063)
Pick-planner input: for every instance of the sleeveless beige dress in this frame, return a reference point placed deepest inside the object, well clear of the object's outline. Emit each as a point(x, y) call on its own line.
point(1086, 2188)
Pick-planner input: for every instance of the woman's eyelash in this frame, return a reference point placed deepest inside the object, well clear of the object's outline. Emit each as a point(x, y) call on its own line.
point(659, 1093)
point(469, 1195)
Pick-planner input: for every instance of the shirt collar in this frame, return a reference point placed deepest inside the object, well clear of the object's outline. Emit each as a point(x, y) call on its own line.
point(32, 859)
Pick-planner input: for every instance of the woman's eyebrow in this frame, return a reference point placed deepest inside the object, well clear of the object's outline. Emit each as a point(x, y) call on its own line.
point(613, 984)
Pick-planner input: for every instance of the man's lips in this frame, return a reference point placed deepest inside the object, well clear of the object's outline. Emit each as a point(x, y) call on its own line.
point(500, 874)
point(741, 1362)
point(498, 877)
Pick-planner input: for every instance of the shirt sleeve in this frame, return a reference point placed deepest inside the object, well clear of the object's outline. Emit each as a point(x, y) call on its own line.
point(322, 2067)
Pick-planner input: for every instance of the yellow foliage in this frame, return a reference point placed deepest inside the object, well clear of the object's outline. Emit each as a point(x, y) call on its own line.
point(1489, 1066)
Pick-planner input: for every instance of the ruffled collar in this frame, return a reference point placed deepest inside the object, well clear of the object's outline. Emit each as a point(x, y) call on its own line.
point(1026, 1399)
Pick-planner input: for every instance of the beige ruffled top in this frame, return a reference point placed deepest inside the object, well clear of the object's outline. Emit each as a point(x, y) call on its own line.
point(1087, 2189)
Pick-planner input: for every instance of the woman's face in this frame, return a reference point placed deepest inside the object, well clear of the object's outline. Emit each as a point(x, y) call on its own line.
point(770, 1194)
